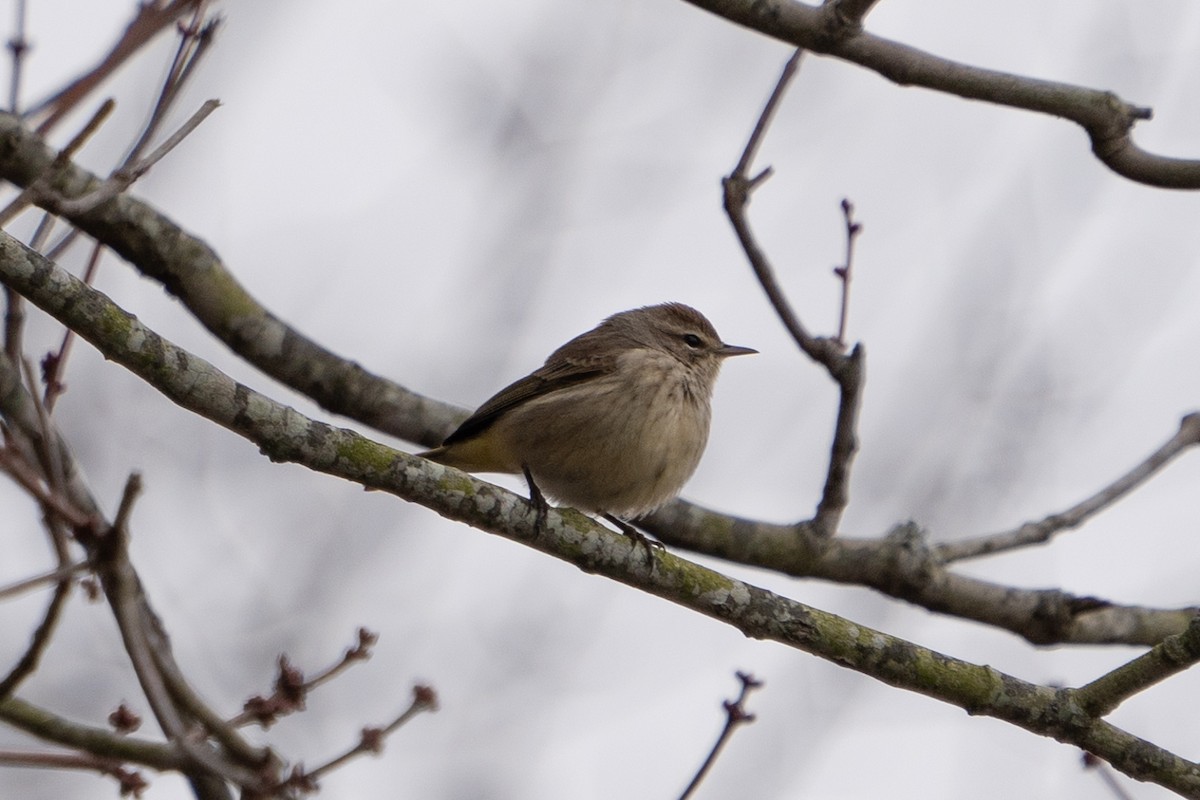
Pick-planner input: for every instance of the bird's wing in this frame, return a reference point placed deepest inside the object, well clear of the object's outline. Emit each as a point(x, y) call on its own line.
point(547, 379)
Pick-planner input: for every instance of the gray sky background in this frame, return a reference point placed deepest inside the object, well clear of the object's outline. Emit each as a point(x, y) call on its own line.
point(446, 192)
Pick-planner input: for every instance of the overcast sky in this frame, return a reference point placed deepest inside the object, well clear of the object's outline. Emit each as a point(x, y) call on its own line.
point(445, 192)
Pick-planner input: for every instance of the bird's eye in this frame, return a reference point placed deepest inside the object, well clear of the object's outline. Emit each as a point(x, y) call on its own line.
point(692, 340)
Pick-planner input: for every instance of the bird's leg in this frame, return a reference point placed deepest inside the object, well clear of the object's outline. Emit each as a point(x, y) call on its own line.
point(540, 506)
point(633, 533)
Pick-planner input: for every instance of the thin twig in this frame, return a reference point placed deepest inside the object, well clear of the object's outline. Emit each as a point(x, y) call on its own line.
point(39, 641)
point(14, 312)
point(195, 38)
point(1041, 531)
point(50, 576)
point(361, 651)
point(55, 364)
point(845, 368)
point(735, 716)
point(13, 463)
point(371, 739)
point(161, 671)
point(132, 783)
point(150, 19)
point(291, 689)
point(14, 323)
point(124, 177)
point(844, 272)
point(123, 588)
point(55, 482)
point(69, 237)
point(18, 45)
point(738, 188)
point(53, 469)
point(1106, 775)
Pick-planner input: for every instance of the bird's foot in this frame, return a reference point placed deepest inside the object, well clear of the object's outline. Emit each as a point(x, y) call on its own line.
point(637, 536)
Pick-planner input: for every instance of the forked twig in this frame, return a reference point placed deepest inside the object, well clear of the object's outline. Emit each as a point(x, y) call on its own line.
point(124, 177)
point(735, 716)
point(370, 740)
point(738, 188)
point(291, 689)
point(845, 368)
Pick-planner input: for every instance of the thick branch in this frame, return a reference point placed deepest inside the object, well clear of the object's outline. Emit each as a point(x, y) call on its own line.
point(284, 434)
point(1105, 117)
point(904, 566)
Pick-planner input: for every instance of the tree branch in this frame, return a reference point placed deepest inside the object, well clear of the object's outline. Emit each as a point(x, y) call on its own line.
point(847, 370)
point(1106, 118)
point(903, 565)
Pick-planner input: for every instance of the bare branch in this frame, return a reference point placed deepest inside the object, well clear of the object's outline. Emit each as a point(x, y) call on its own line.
point(904, 565)
point(18, 46)
point(195, 38)
point(15, 465)
point(1032, 533)
point(735, 716)
point(844, 272)
point(371, 739)
point(50, 576)
point(291, 689)
point(29, 660)
point(738, 188)
point(54, 365)
point(846, 369)
point(151, 18)
point(125, 177)
point(1107, 119)
point(132, 783)
point(162, 688)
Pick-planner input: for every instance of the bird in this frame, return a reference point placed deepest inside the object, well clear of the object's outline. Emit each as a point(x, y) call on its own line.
point(613, 423)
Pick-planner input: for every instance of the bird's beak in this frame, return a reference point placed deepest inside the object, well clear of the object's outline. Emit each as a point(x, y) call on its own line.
point(726, 350)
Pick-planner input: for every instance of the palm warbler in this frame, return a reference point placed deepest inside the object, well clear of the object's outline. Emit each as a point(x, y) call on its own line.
point(613, 423)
